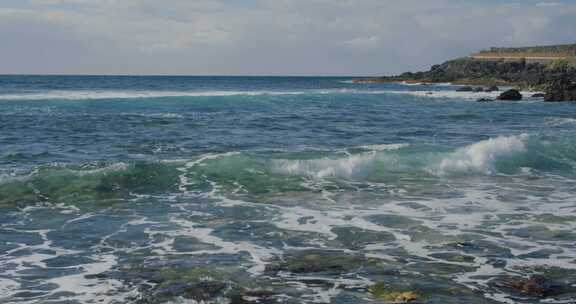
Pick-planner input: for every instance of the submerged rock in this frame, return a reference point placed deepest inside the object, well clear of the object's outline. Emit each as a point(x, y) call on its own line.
point(465, 89)
point(320, 261)
point(535, 286)
point(511, 94)
point(356, 238)
point(200, 291)
point(485, 100)
point(382, 291)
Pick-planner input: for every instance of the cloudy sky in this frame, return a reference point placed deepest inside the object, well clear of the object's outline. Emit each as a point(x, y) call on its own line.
point(266, 37)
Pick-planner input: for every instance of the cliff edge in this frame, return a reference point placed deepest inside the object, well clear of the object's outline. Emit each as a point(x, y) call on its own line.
point(544, 68)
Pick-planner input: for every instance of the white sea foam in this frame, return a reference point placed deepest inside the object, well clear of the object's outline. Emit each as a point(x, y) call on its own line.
point(160, 115)
point(324, 168)
point(119, 94)
point(385, 147)
point(558, 121)
point(481, 157)
point(88, 95)
point(352, 165)
point(446, 218)
point(452, 94)
point(83, 95)
point(115, 167)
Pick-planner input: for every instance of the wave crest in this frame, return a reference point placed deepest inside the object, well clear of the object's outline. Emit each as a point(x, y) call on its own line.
point(347, 167)
point(353, 165)
point(481, 157)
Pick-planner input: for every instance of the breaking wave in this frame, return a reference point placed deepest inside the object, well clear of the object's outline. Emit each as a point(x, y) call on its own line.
point(452, 94)
point(88, 95)
point(481, 157)
point(108, 94)
point(273, 173)
point(347, 167)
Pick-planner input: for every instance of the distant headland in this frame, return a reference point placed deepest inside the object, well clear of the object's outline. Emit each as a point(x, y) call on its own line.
point(550, 68)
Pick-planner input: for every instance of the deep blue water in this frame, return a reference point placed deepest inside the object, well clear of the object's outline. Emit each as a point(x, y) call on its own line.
point(280, 190)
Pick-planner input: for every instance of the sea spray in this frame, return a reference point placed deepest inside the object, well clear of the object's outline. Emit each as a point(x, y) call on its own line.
point(349, 166)
point(324, 168)
point(481, 157)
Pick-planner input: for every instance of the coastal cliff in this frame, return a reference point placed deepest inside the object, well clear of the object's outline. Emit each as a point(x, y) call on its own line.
point(548, 68)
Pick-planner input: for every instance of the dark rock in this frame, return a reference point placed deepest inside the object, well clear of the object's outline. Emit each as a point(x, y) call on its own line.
point(355, 238)
point(201, 291)
point(492, 89)
point(485, 100)
point(538, 95)
point(468, 71)
point(536, 286)
point(320, 261)
point(562, 89)
point(253, 296)
point(511, 94)
point(478, 90)
point(465, 89)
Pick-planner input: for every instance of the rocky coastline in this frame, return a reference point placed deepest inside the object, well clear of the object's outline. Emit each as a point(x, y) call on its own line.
point(557, 78)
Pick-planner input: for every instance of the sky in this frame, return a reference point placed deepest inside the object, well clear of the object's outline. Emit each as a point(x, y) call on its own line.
point(266, 37)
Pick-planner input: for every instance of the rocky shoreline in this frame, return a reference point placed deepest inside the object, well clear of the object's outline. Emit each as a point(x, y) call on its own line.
point(557, 79)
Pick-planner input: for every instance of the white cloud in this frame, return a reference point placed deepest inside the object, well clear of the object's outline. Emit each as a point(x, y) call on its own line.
point(364, 42)
point(548, 4)
point(275, 36)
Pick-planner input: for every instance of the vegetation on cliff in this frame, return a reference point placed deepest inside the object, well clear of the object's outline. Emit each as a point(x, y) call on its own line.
point(532, 76)
point(557, 77)
point(551, 51)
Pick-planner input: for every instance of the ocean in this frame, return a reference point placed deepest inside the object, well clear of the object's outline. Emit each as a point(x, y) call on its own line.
point(156, 189)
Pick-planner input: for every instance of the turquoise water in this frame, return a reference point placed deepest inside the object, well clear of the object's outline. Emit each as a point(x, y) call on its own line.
point(279, 190)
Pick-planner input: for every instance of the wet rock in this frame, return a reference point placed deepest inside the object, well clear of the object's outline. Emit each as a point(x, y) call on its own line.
point(453, 257)
point(253, 296)
point(320, 261)
point(394, 221)
point(415, 206)
point(535, 286)
point(382, 291)
point(540, 254)
point(485, 100)
point(201, 291)
point(478, 89)
point(465, 89)
point(543, 233)
point(356, 238)
point(563, 89)
point(189, 244)
point(538, 95)
point(496, 263)
point(481, 248)
point(554, 219)
point(492, 89)
point(438, 268)
point(503, 72)
point(511, 94)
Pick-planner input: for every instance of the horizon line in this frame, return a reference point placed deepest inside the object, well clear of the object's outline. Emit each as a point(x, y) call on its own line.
point(187, 75)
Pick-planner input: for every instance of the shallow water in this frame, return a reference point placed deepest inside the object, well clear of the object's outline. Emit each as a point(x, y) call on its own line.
point(279, 190)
